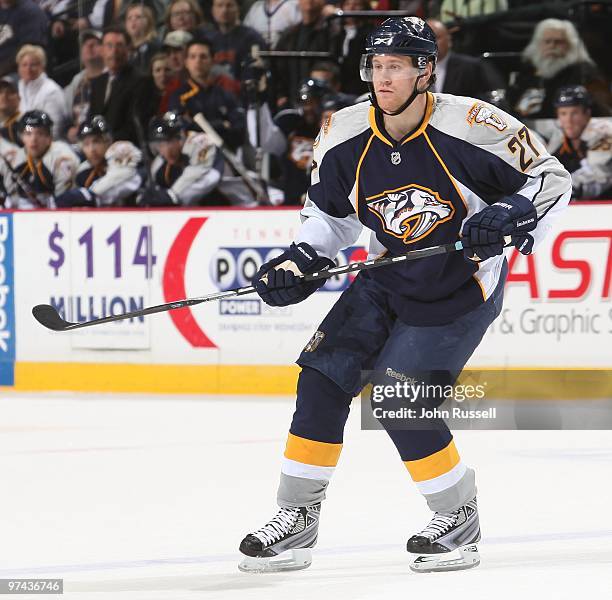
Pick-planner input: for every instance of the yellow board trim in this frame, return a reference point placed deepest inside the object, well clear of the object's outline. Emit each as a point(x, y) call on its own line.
point(310, 452)
point(435, 464)
point(560, 383)
point(162, 379)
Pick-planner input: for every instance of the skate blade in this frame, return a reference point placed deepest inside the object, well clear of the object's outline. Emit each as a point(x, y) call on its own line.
point(465, 557)
point(290, 560)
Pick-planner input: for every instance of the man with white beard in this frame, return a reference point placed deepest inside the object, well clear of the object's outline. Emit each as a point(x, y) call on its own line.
point(555, 57)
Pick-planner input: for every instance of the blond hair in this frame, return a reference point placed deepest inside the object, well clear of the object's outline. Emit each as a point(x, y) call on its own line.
point(30, 49)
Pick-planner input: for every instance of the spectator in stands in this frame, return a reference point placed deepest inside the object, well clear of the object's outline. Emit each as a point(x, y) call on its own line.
point(271, 18)
point(154, 94)
point(112, 93)
point(162, 76)
point(555, 57)
point(175, 43)
point(9, 112)
point(461, 74)
point(290, 137)
point(329, 73)
point(36, 90)
point(140, 26)
point(108, 12)
point(42, 169)
point(187, 166)
point(78, 92)
point(310, 35)
point(347, 46)
point(21, 22)
point(209, 94)
point(109, 174)
point(583, 144)
point(453, 9)
point(232, 42)
point(184, 15)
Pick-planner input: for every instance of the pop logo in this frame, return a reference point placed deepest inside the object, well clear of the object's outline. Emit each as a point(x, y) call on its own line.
point(7, 309)
point(235, 267)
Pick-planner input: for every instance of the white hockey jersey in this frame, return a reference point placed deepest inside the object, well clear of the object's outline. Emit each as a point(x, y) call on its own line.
point(419, 191)
point(42, 179)
point(121, 178)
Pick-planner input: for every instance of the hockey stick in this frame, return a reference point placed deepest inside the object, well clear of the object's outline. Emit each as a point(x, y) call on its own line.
point(48, 316)
point(255, 186)
point(23, 184)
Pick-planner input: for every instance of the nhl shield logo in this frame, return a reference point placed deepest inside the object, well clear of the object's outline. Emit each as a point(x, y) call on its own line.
point(396, 158)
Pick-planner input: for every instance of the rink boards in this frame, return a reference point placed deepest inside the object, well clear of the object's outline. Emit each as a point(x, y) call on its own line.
point(92, 263)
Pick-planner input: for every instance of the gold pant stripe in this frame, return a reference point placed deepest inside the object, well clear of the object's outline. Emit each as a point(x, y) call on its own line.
point(435, 464)
point(310, 452)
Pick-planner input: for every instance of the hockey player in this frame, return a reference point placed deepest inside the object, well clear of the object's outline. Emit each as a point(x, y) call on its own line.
point(41, 170)
point(583, 144)
point(109, 175)
point(417, 169)
point(290, 136)
point(187, 166)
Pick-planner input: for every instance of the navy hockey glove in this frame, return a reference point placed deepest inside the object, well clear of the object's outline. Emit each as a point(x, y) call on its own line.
point(76, 197)
point(483, 233)
point(281, 285)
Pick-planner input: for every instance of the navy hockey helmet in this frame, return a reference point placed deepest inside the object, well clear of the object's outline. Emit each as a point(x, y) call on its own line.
point(405, 36)
point(313, 89)
point(573, 95)
point(337, 102)
point(36, 119)
point(168, 126)
point(97, 125)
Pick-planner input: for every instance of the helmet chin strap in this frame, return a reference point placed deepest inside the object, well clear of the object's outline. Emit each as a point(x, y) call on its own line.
point(403, 107)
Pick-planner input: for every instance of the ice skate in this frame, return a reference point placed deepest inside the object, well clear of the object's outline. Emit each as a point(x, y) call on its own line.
point(284, 543)
point(448, 543)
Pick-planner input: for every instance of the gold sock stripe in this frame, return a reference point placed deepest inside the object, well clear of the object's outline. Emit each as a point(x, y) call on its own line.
point(435, 464)
point(310, 452)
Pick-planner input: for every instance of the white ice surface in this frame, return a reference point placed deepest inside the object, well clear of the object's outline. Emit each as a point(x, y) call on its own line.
point(139, 498)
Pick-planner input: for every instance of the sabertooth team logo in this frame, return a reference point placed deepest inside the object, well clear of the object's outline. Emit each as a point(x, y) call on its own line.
point(481, 114)
point(410, 213)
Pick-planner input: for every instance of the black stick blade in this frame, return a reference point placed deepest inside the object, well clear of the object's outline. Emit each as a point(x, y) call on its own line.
point(47, 316)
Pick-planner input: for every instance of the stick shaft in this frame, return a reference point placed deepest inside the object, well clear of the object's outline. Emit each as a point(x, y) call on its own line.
point(58, 324)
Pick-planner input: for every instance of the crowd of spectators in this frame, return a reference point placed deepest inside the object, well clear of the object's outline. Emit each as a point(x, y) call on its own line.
point(182, 102)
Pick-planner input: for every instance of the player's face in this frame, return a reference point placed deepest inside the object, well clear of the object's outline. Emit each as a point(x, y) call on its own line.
point(311, 109)
point(9, 101)
point(170, 150)
point(95, 147)
point(36, 141)
point(573, 120)
point(30, 67)
point(393, 78)
point(198, 61)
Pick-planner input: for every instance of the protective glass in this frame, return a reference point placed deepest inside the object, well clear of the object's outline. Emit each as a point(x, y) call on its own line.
point(390, 66)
